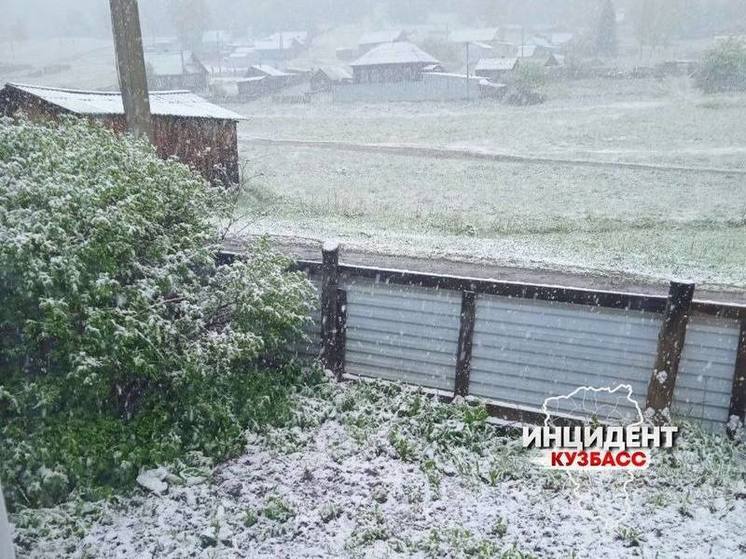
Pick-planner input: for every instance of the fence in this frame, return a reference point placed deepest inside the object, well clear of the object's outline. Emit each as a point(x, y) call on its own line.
point(515, 344)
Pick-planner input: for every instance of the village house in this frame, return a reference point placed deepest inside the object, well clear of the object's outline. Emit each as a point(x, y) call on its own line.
point(282, 46)
point(326, 77)
point(495, 69)
point(392, 62)
point(198, 133)
point(374, 39)
point(176, 70)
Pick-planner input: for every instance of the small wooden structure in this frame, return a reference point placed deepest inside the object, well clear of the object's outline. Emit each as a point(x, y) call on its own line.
point(495, 69)
point(392, 62)
point(326, 77)
point(284, 45)
point(176, 70)
point(198, 133)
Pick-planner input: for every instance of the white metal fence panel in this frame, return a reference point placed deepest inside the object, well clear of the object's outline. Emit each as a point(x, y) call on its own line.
point(408, 334)
point(705, 378)
point(526, 350)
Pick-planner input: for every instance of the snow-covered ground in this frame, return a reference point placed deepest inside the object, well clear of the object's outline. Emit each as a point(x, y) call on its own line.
point(376, 470)
point(651, 223)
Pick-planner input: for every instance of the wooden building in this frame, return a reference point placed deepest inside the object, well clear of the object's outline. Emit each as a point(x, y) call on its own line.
point(495, 69)
point(198, 133)
point(326, 77)
point(281, 46)
point(392, 62)
point(176, 70)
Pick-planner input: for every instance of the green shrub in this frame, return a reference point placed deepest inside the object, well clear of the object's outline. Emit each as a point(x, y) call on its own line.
point(122, 342)
point(724, 68)
point(527, 83)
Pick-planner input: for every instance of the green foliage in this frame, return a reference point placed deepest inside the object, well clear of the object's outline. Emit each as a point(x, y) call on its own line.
point(527, 84)
point(724, 68)
point(122, 343)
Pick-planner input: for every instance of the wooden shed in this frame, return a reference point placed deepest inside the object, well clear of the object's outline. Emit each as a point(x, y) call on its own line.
point(176, 70)
point(392, 62)
point(200, 134)
point(325, 77)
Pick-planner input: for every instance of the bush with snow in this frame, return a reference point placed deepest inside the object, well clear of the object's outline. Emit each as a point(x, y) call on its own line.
point(119, 333)
point(724, 68)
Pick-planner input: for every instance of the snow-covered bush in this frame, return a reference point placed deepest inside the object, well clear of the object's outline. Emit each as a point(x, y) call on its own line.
point(526, 85)
point(115, 321)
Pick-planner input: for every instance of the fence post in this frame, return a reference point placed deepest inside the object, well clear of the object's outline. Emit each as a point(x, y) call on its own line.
point(738, 394)
point(465, 337)
point(670, 344)
point(329, 303)
point(340, 347)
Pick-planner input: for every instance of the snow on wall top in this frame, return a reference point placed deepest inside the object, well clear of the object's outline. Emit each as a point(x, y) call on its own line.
point(164, 103)
point(395, 53)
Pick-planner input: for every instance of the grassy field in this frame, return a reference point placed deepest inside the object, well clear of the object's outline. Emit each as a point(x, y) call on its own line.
point(653, 223)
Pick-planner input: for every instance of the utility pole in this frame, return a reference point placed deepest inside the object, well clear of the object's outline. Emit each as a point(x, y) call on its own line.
point(125, 23)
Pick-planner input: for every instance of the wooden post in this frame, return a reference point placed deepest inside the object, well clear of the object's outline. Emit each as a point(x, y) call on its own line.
point(465, 337)
point(133, 83)
point(329, 303)
point(738, 394)
point(670, 344)
point(340, 348)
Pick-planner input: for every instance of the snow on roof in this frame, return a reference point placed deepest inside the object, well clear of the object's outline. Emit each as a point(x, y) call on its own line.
point(172, 63)
point(561, 38)
point(378, 37)
point(335, 73)
point(281, 41)
point(269, 70)
point(484, 35)
point(395, 53)
point(164, 103)
point(496, 64)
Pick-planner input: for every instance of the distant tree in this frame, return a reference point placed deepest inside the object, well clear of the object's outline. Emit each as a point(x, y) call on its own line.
point(190, 19)
point(527, 84)
point(724, 68)
point(606, 39)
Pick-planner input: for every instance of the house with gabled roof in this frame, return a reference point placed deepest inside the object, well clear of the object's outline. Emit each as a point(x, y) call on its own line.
point(176, 70)
point(392, 62)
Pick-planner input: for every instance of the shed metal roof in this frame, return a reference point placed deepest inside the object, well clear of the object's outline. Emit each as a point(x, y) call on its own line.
point(395, 53)
point(163, 103)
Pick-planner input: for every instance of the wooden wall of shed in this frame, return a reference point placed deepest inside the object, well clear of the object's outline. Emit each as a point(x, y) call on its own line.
point(207, 146)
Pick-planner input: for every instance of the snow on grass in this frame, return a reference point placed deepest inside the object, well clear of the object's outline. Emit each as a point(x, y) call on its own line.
point(644, 121)
point(377, 470)
point(656, 224)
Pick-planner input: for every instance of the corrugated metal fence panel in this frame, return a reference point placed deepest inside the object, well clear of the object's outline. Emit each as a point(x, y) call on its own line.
point(311, 348)
point(408, 334)
point(526, 350)
point(705, 378)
